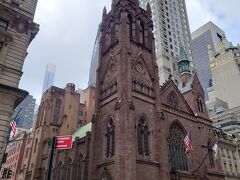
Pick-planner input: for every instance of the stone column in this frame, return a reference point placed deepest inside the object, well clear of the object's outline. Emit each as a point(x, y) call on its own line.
point(6, 110)
point(9, 98)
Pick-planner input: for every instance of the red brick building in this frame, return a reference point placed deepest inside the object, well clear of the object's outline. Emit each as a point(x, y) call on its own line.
point(15, 151)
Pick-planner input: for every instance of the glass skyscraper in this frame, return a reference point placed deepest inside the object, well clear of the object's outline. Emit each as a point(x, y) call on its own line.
point(94, 61)
point(208, 34)
point(25, 111)
point(49, 77)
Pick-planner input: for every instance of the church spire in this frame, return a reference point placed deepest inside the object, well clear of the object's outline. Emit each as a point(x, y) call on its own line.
point(184, 66)
point(183, 63)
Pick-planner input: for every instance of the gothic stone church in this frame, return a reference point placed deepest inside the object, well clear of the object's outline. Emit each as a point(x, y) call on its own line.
point(139, 127)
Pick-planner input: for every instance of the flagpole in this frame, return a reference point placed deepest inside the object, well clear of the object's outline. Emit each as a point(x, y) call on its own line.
point(7, 139)
point(202, 162)
point(5, 147)
point(174, 153)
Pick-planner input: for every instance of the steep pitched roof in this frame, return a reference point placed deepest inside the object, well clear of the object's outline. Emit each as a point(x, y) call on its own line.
point(187, 87)
point(196, 83)
point(182, 54)
point(168, 87)
point(190, 84)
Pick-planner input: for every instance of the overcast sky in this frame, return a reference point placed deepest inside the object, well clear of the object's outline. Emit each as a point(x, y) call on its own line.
point(68, 30)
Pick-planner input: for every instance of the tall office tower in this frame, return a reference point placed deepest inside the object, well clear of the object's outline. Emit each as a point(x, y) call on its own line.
point(206, 34)
point(171, 30)
point(25, 111)
point(225, 68)
point(94, 61)
point(17, 30)
point(49, 77)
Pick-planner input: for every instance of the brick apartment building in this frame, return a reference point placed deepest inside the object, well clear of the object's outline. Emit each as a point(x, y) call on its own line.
point(15, 151)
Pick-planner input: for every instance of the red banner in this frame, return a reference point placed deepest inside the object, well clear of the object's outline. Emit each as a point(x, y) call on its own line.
point(63, 142)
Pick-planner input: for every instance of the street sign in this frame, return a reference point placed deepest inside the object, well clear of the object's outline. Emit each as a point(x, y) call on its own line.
point(63, 142)
point(7, 173)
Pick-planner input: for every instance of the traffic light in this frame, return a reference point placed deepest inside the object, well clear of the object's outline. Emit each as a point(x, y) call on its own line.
point(4, 175)
point(10, 173)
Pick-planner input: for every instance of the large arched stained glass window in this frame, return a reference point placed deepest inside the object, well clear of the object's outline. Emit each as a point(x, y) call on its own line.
point(172, 99)
point(80, 167)
point(143, 137)
point(110, 138)
point(178, 159)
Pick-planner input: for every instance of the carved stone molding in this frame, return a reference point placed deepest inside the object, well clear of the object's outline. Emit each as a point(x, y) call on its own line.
point(7, 100)
point(108, 89)
point(161, 115)
point(142, 86)
point(118, 105)
point(94, 118)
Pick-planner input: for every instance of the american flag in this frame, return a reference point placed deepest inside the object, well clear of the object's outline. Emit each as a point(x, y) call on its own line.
point(188, 142)
point(13, 125)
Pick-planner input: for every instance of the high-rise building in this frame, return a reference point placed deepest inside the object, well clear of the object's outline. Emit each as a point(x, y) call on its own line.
point(94, 61)
point(49, 77)
point(17, 30)
point(171, 30)
point(229, 154)
point(225, 68)
point(228, 120)
point(25, 111)
point(201, 38)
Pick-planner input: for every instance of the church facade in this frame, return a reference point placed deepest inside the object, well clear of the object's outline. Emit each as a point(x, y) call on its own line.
point(138, 130)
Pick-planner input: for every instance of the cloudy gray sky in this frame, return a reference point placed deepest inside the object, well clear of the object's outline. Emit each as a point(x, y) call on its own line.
point(68, 30)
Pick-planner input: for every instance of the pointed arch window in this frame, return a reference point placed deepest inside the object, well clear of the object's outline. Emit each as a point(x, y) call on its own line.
point(130, 26)
point(143, 136)
point(200, 104)
point(113, 32)
point(63, 171)
point(110, 138)
point(210, 153)
point(103, 177)
point(69, 168)
point(80, 167)
point(41, 112)
point(142, 33)
point(56, 113)
point(58, 171)
point(172, 99)
point(177, 156)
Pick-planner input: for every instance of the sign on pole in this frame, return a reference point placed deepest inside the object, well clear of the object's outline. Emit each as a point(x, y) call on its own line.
point(63, 142)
